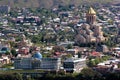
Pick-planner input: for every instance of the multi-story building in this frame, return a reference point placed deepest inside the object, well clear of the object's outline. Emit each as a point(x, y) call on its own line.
point(28, 62)
point(51, 63)
point(74, 65)
point(37, 62)
point(23, 63)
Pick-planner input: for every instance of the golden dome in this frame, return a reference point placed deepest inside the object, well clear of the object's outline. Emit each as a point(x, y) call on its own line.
point(91, 11)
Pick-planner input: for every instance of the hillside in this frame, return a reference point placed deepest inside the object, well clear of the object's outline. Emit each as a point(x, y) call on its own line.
point(49, 3)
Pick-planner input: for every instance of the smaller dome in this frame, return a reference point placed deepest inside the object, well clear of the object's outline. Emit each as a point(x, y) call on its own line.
point(4, 50)
point(37, 55)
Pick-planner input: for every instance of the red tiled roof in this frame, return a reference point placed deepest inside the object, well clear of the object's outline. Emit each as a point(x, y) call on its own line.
point(95, 53)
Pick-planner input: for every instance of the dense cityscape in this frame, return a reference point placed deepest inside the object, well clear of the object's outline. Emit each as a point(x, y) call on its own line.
point(65, 42)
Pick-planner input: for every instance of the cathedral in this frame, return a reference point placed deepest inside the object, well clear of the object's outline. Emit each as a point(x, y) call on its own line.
point(90, 31)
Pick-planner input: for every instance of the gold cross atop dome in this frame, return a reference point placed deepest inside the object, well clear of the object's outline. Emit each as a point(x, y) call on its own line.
point(91, 11)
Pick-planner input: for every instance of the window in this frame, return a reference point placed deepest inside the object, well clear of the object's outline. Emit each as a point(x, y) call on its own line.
point(68, 65)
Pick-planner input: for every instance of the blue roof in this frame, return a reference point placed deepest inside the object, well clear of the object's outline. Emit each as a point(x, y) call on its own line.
point(5, 49)
point(37, 55)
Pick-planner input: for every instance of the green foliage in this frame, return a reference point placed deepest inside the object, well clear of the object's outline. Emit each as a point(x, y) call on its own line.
point(105, 58)
point(12, 44)
point(13, 13)
point(89, 74)
point(69, 56)
point(45, 55)
point(110, 42)
point(18, 38)
point(7, 65)
point(13, 51)
point(36, 38)
point(11, 76)
point(7, 53)
point(69, 46)
point(97, 60)
point(66, 56)
point(58, 77)
point(91, 63)
point(86, 74)
point(94, 62)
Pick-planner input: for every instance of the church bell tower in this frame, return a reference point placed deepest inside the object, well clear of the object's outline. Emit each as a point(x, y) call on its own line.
point(91, 16)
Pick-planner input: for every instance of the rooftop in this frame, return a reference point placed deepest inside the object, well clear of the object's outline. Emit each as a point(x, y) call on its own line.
point(75, 59)
point(91, 11)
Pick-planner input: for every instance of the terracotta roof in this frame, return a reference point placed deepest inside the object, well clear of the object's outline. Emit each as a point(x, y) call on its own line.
point(95, 53)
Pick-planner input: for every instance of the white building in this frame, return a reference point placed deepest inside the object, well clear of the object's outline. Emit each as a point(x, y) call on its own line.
point(74, 64)
point(37, 62)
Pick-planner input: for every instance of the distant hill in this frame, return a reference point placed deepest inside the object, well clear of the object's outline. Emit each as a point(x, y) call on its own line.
point(50, 3)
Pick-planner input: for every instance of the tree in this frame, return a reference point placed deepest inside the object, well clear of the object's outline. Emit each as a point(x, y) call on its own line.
point(13, 51)
point(69, 46)
point(89, 74)
point(97, 60)
point(12, 44)
point(36, 38)
point(11, 76)
point(7, 65)
point(91, 63)
point(7, 53)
